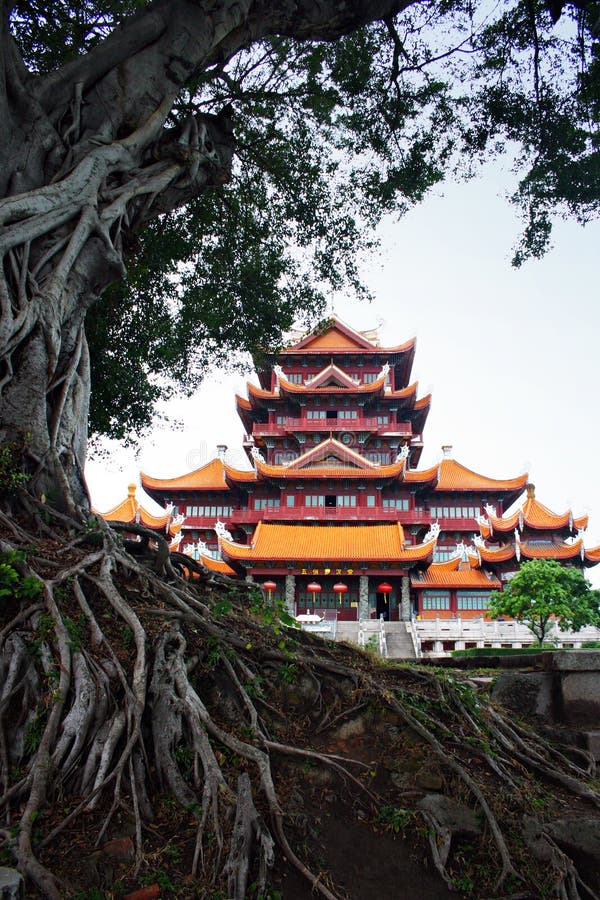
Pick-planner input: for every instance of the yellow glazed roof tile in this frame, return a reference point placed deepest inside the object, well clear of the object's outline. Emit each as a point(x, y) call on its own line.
point(130, 510)
point(216, 565)
point(455, 477)
point(207, 477)
point(373, 543)
point(438, 575)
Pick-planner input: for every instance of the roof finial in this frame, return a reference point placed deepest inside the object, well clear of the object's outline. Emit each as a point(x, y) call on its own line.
point(447, 451)
point(530, 488)
point(221, 451)
point(131, 489)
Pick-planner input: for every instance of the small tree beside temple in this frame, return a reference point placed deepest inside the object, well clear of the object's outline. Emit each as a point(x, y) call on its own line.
point(544, 591)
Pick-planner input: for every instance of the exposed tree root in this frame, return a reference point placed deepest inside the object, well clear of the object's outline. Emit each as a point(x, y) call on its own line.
point(119, 688)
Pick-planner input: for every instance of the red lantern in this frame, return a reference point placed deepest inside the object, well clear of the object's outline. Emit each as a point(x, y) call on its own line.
point(340, 589)
point(269, 587)
point(315, 588)
point(385, 588)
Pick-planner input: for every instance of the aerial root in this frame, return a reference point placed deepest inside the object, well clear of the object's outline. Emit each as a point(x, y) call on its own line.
point(249, 828)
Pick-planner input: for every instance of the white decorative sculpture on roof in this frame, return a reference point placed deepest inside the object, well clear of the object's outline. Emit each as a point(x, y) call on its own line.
point(478, 540)
point(403, 453)
point(222, 532)
point(279, 373)
point(490, 509)
point(385, 370)
point(433, 533)
point(256, 454)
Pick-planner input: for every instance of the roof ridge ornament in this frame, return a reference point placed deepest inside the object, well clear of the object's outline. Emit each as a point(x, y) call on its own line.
point(490, 510)
point(433, 533)
point(256, 455)
point(403, 453)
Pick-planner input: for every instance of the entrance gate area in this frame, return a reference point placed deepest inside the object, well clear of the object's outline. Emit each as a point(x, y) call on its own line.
point(328, 599)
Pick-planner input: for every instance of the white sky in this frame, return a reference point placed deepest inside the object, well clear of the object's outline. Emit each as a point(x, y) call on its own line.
point(512, 357)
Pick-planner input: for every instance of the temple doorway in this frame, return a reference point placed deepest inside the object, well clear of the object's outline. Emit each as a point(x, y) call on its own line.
point(382, 605)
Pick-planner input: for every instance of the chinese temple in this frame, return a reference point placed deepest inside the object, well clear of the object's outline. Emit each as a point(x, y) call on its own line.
point(335, 513)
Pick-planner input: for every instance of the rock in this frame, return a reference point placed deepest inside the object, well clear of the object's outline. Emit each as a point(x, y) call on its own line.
point(120, 848)
point(429, 781)
point(351, 729)
point(527, 693)
point(11, 884)
point(579, 837)
point(536, 841)
point(573, 661)
point(458, 818)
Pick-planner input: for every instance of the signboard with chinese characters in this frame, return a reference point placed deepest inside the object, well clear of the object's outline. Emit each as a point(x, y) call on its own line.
point(310, 570)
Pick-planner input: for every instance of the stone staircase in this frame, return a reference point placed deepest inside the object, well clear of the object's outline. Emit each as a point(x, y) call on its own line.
point(399, 642)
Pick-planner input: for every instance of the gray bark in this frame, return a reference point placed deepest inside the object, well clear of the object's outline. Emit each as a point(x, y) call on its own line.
point(87, 158)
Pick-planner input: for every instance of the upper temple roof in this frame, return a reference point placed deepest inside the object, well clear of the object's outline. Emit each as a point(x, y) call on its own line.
point(130, 511)
point(533, 515)
point(334, 335)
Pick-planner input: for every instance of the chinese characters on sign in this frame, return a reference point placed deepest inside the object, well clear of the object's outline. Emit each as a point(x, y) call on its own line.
point(327, 571)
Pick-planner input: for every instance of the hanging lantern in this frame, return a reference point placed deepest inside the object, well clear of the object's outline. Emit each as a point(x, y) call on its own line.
point(386, 589)
point(340, 589)
point(314, 588)
point(269, 587)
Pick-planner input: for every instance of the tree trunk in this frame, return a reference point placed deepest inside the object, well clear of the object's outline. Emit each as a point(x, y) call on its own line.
point(87, 160)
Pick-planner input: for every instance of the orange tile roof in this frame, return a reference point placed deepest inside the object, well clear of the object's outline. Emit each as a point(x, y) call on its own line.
point(592, 556)
point(289, 388)
point(130, 510)
point(373, 543)
point(555, 550)
point(375, 472)
point(455, 477)
point(423, 402)
point(330, 447)
point(332, 371)
point(438, 575)
point(497, 554)
point(216, 565)
point(243, 403)
point(236, 475)
point(421, 475)
point(535, 515)
point(339, 336)
point(208, 477)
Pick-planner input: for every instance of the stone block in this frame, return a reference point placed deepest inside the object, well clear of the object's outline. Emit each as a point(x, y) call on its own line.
point(580, 696)
point(449, 813)
point(573, 661)
point(590, 741)
point(527, 693)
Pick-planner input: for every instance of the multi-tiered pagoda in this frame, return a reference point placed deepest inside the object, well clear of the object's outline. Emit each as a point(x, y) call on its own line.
point(335, 511)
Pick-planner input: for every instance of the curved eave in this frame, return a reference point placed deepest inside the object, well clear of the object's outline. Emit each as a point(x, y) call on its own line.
point(592, 556)
point(438, 576)
point(125, 511)
point(502, 523)
point(408, 393)
point(551, 551)
point(421, 476)
point(207, 477)
point(128, 511)
point(497, 555)
point(581, 522)
point(217, 565)
point(359, 543)
point(286, 387)
point(239, 476)
point(286, 473)
point(456, 477)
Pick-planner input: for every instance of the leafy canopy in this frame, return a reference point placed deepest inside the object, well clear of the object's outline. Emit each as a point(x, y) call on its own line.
point(331, 137)
point(542, 591)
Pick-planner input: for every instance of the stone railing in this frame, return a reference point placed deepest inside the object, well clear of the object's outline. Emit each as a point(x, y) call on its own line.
point(495, 633)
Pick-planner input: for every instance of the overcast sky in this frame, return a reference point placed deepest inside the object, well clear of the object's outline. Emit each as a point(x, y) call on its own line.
point(512, 357)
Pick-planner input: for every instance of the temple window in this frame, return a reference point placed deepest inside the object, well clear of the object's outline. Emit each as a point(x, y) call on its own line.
point(379, 457)
point(316, 414)
point(370, 500)
point(472, 599)
point(211, 511)
point(442, 554)
point(346, 501)
point(290, 500)
point(266, 502)
point(370, 377)
point(347, 414)
point(455, 512)
point(294, 377)
point(436, 600)
point(314, 500)
point(395, 503)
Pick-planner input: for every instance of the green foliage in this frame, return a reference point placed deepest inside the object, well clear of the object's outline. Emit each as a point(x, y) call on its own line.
point(11, 465)
point(14, 585)
point(542, 591)
point(331, 136)
point(288, 673)
point(395, 819)
point(34, 732)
